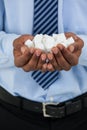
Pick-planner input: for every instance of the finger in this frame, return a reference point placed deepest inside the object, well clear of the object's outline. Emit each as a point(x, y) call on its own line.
point(76, 46)
point(23, 49)
point(32, 64)
point(71, 58)
point(50, 67)
point(52, 60)
point(55, 53)
point(44, 67)
point(21, 59)
point(19, 42)
point(70, 34)
point(78, 53)
point(78, 42)
point(61, 61)
point(41, 61)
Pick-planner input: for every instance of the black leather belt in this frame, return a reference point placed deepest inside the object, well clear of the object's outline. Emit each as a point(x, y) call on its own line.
point(55, 110)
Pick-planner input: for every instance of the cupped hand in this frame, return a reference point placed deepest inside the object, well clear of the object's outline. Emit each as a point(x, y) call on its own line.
point(28, 59)
point(63, 58)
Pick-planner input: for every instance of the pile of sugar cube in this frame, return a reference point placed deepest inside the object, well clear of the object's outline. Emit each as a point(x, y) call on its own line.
point(46, 42)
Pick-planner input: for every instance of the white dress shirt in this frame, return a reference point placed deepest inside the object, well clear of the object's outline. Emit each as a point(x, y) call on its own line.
point(16, 18)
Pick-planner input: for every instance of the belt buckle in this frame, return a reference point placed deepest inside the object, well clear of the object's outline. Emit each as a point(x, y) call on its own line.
point(44, 108)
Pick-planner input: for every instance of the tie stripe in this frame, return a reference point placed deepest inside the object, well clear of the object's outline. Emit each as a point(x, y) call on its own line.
point(45, 22)
point(51, 80)
point(46, 12)
point(45, 79)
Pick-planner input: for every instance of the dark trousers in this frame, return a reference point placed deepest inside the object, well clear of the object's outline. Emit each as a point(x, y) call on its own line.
point(14, 118)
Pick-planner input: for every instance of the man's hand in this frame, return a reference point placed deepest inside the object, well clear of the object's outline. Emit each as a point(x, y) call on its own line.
point(63, 58)
point(28, 59)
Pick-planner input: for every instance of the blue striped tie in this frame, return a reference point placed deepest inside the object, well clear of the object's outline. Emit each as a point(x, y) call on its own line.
point(45, 22)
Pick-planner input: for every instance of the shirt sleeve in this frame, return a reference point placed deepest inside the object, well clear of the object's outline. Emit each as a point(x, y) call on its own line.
point(83, 56)
point(6, 49)
point(6, 42)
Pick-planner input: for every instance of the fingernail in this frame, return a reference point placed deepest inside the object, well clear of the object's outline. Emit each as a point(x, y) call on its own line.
point(23, 49)
point(49, 66)
point(71, 48)
point(55, 51)
point(37, 53)
point(43, 58)
point(50, 57)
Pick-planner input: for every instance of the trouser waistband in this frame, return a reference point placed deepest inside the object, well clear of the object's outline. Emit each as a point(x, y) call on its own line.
point(55, 110)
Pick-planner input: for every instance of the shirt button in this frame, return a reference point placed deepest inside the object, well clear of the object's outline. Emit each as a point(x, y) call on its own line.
point(51, 99)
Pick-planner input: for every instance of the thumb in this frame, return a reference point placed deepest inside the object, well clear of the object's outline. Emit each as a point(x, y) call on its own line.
point(24, 49)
